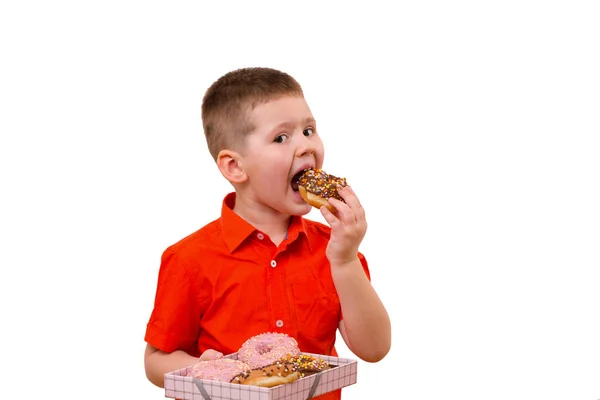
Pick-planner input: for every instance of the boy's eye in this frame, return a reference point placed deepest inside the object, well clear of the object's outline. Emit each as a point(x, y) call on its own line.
point(308, 132)
point(280, 138)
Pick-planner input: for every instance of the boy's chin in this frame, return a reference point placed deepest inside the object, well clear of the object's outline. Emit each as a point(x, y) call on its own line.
point(301, 209)
point(300, 214)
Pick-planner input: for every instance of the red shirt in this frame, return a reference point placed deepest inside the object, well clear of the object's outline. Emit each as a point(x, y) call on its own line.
point(227, 282)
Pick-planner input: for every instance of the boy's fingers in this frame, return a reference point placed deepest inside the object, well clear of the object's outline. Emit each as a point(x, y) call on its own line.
point(353, 202)
point(329, 216)
point(342, 210)
point(350, 197)
point(210, 354)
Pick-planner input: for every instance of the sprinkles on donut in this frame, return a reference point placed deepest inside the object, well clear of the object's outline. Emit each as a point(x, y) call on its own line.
point(278, 373)
point(316, 186)
point(220, 369)
point(267, 348)
point(307, 364)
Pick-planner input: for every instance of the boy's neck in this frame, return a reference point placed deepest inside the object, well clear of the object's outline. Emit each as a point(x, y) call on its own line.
point(264, 219)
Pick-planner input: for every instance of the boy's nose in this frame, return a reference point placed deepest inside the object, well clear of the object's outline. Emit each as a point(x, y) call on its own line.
point(305, 151)
point(305, 147)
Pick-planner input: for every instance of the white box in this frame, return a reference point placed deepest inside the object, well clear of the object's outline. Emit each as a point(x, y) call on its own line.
point(343, 373)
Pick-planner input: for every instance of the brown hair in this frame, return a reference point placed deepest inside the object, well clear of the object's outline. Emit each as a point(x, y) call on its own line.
point(228, 101)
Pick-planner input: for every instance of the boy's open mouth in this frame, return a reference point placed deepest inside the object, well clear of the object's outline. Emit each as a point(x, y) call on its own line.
point(295, 179)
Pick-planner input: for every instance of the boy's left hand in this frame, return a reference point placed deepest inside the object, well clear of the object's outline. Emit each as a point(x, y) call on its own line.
point(348, 227)
point(211, 354)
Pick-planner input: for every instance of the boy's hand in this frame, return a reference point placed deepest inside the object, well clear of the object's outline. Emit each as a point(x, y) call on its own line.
point(210, 354)
point(348, 227)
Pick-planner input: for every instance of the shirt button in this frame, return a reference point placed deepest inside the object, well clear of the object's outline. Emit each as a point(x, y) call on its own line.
point(260, 236)
point(279, 323)
point(273, 263)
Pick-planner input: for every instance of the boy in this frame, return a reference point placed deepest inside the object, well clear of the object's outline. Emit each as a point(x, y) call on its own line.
point(261, 267)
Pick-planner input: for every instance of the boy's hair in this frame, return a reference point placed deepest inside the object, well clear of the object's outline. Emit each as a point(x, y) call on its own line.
point(228, 101)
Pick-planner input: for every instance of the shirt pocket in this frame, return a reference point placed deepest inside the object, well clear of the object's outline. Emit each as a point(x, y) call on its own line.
point(318, 310)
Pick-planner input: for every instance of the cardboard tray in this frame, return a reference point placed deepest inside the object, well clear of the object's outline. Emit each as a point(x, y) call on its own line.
point(343, 373)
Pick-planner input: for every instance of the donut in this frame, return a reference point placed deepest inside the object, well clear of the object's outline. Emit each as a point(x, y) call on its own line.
point(306, 364)
point(276, 374)
point(266, 348)
point(221, 369)
point(316, 186)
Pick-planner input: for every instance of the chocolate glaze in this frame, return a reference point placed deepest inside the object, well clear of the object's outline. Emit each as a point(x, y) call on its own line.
point(321, 184)
point(278, 368)
point(307, 364)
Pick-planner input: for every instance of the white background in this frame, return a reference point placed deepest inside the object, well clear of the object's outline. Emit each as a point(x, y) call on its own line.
point(468, 129)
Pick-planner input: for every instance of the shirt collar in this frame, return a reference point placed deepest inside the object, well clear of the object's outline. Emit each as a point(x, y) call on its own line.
point(235, 229)
point(297, 227)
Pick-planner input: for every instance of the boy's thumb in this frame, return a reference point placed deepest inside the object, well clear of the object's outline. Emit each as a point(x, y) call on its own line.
point(210, 354)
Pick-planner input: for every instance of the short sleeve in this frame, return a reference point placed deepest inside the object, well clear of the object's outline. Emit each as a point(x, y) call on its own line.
point(178, 307)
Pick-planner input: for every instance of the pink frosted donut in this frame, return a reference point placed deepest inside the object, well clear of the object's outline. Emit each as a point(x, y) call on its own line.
point(221, 369)
point(266, 348)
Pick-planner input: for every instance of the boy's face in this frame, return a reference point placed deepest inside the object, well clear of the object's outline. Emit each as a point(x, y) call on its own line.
point(284, 143)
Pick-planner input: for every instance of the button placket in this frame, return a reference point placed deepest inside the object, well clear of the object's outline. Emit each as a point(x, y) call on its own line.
point(277, 281)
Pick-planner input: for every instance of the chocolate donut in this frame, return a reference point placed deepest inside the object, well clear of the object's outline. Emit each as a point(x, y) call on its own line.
point(315, 186)
point(307, 364)
point(276, 374)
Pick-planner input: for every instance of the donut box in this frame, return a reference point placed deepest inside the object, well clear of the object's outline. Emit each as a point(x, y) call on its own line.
point(342, 373)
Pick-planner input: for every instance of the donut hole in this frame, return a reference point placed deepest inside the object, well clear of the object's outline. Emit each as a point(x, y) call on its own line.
point(264, 348)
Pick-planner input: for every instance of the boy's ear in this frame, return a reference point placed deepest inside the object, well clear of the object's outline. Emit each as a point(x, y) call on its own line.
point(229, 163)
